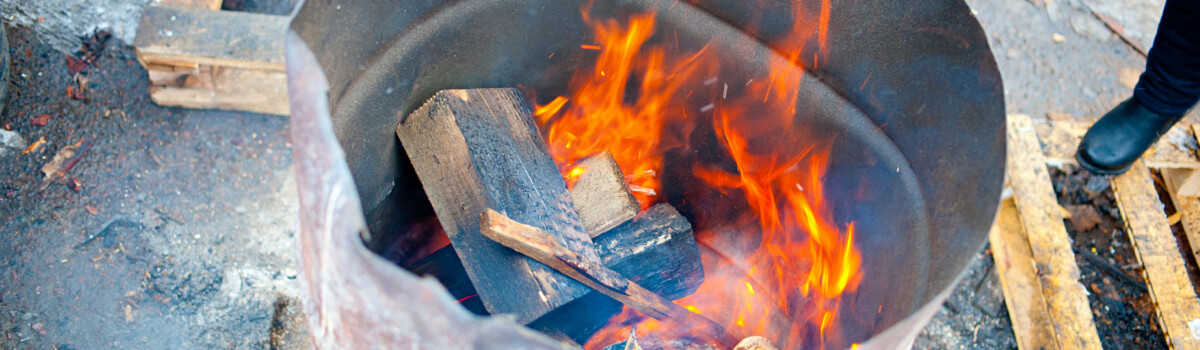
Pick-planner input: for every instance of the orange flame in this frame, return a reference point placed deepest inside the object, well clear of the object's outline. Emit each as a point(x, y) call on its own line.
point(788, 282)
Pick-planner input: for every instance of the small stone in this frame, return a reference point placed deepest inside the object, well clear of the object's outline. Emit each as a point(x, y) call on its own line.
point(1084, 217)
point(11, 142)
point(1058, 38)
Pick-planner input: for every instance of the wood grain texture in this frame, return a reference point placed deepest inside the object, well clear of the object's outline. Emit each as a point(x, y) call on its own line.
point(1031, 320)
point(656, 249)
point(601, 196)
point(1066, 298)
point(179, 36)
point(1186, 181)
point(479, 149)
point(541, 246)
point(249, 90)
point(1188, 209)
point(1157, 250)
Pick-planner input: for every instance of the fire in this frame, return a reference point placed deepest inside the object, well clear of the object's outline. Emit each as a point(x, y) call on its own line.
point(783, 267)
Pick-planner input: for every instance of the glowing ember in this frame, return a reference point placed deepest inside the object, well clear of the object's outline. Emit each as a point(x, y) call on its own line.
point(783, 267)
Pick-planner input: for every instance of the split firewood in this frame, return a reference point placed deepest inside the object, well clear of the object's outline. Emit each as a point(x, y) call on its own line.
point(478, 149)
point(600, 194)
point(540, 245)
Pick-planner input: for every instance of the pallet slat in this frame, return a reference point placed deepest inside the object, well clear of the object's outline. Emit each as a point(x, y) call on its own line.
point(1188, 207)
point(1189, 210)
point(1018, 278)
point(1155, 247)
point(1066, 298)
point(200, 58)
point(1060, 139)
point(179, 36)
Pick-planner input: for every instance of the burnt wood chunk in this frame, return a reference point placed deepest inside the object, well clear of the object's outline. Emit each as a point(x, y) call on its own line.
point(601, 196)
point(479, 149)
point(541, 246)
point(656, 249)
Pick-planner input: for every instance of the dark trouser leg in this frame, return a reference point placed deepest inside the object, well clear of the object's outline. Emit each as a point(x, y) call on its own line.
point(1171, 83)
point(1168, 88)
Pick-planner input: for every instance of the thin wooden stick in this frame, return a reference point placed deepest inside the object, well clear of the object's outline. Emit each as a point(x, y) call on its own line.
point(539, 245)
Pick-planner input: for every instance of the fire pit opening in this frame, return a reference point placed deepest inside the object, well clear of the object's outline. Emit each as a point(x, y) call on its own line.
point(813, 225)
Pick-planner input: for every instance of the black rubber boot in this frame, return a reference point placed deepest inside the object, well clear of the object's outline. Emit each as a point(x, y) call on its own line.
point(1120, 137)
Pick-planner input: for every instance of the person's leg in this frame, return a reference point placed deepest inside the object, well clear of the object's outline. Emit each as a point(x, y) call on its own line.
point(1168, 88)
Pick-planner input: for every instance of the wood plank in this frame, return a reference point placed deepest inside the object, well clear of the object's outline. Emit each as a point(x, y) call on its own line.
point(1157, 250)
point(600, 194)
point(200, 4)
point(1059, 140)
point(1186, 181)
point(542, 246)
point(1187, 207)
point(479, 149)
point(1066, 298)
point(236, 89)
point(1018, 279)
point(174, 36)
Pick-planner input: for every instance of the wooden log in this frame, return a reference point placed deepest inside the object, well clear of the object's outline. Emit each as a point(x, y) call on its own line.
point(479, 149)
point(1031, 320)
point(1146, 224)
point(600, 194)
point(1066, 298)
point(656, 249)
point(542, 246)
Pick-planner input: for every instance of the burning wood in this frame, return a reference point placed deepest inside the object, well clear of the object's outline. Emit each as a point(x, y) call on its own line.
point(600, 194)
point(541, 246)
point(656, 249)
point(479, 149)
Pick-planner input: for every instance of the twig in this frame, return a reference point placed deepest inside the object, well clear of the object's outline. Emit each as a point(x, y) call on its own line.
point(105, 229)
point(1114, 271)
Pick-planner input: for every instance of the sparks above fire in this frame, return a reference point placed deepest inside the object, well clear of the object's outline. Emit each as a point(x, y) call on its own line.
point(781, 271)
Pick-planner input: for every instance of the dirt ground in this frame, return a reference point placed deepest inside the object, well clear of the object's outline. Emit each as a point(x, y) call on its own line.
point(179, 232)
point(179, 235)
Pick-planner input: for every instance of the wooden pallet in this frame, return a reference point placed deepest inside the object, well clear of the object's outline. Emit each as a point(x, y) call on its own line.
point(200, 57)
point(1047, 303)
